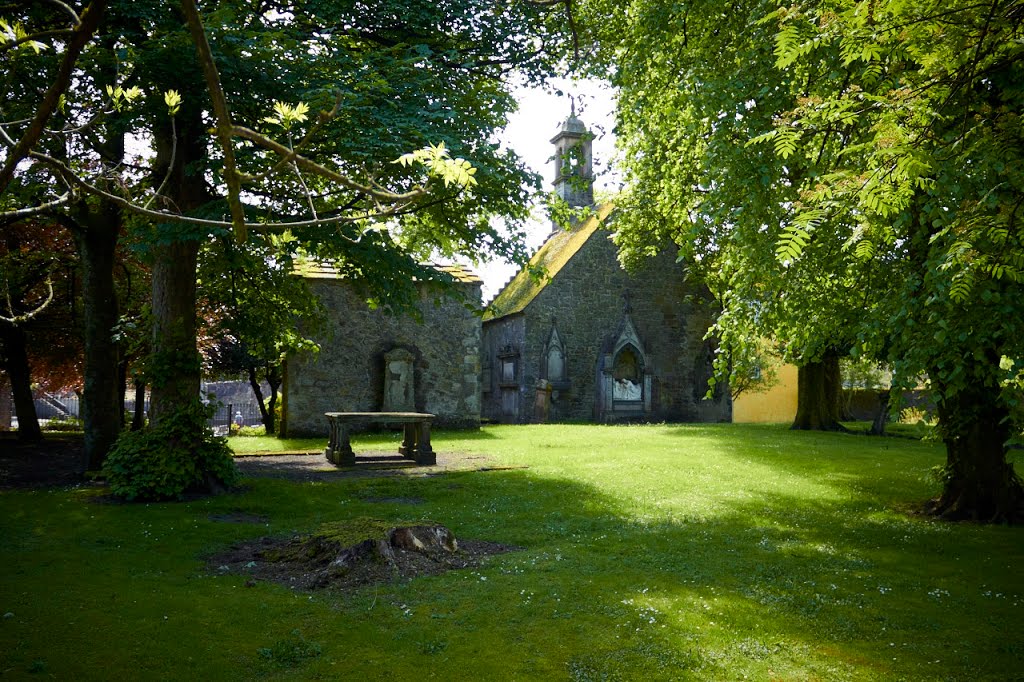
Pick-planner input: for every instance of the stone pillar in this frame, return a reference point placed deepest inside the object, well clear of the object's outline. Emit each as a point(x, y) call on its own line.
point(647, 392)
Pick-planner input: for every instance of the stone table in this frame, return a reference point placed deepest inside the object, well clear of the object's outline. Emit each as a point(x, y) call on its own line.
point(415, 443)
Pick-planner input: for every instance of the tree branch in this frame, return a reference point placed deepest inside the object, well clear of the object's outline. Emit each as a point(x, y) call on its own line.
point(6, 47)
point(221, 112)
point(24, 317)
point(66, 8)
point(397, 208)
point(313, 167)
point(83, 32)
point(9, 217)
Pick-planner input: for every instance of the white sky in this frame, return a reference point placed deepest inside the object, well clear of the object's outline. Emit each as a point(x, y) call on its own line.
point(529, 133)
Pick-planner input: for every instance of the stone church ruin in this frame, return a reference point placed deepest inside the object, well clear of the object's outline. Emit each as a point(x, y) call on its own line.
point(587, 342)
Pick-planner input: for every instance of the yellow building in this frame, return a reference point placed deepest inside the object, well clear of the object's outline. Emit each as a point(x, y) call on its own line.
point(777, 404)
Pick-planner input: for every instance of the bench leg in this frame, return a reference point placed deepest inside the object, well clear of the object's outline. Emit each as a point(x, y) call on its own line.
point(408, 447)
point(332, 441)
point(424, 453)
point(339, 452)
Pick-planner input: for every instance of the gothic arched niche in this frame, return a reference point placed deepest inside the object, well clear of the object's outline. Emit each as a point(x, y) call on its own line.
point(628, 374)
point(625, 380)
point(553, 361)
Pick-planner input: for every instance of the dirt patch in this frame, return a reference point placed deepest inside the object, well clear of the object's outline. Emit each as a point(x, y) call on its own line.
point(353, 554)
point(58, 460)
point(55, 460)
point(315, 467)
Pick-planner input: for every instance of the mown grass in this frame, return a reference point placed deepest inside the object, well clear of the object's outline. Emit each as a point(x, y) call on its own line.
point(272, 445)
point(648, 552)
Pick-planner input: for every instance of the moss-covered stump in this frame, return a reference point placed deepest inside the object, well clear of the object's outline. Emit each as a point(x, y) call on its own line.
point(349, 554)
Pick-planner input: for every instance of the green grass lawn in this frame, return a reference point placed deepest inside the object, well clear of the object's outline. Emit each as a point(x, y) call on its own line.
point(688, 552)
point(272, 445)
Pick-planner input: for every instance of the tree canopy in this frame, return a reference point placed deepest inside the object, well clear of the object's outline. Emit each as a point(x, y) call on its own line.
point(363, 132)
point(847, 175)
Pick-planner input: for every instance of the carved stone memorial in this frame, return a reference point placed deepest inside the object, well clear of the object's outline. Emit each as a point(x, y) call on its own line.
point(399, 387)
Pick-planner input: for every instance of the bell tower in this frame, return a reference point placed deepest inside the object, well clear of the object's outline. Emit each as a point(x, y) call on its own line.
point(574, 172)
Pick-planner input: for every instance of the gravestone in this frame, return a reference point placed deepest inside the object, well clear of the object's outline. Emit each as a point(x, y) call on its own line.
point(399, 388)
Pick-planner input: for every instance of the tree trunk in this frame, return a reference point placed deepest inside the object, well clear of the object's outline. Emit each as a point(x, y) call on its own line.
point(15, 353)
point(980, 484)
point(174, 366)
point(881, 416)
point(139, 416)
point(818, 385)
point(6, 406)
point(274, 381)
point(254, 382)
point(102, 408)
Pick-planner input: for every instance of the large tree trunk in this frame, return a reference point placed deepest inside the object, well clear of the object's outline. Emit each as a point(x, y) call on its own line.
point(15, 354)
point(97, 236)
point(817, 406)
point(174, 361)
point(980, 484)
point(174, 368)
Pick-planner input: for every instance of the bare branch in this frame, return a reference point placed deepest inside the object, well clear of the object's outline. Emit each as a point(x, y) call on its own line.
point(6, 47)
point(66, 8)
point(396, 208)
point(170, 164)
point(302, 183)
point(334, 176)
point(24, 317)
point(83, 33)
point(323, 118)
point(221, 112)
point(8, 217)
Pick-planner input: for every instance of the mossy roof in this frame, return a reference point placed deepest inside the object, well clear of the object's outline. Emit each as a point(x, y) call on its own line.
point(314, 270)
point(556, 252)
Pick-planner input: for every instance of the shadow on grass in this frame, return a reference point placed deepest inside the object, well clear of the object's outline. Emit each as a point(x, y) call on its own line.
point(826, 584)
point(768, 585)
point(773, 583)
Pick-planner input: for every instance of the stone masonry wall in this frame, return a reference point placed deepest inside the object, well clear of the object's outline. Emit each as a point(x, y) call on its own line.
point(586, 300)
point(498, 334)
point(347, 375)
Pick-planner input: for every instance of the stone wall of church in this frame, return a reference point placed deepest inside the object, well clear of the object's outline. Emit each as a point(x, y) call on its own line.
point(587, 303)
point(349, 374)
point(501, 355)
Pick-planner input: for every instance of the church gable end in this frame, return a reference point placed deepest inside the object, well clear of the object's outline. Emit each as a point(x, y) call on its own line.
point(586, 298)
point(591, 341)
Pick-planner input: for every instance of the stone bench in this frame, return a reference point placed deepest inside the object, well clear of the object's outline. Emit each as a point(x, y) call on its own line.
point(415, 443)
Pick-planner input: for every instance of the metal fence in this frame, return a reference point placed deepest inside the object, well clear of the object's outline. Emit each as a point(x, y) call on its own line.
point(233, 400)
point(243, 414)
